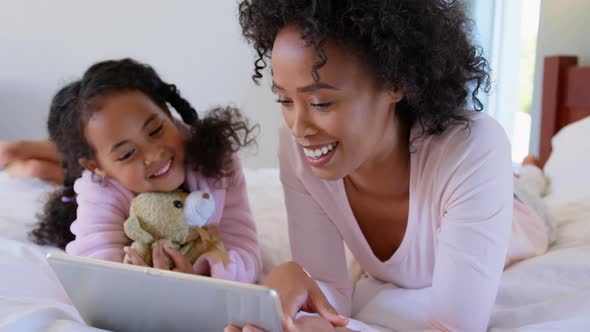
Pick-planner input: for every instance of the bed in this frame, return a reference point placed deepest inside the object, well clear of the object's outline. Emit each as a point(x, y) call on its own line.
point(546, 293)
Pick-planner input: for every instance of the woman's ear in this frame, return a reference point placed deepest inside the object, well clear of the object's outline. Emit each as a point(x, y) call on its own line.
point(92, 166)
point(396, 95)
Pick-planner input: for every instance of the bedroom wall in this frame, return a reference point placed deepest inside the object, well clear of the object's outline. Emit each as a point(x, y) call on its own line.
point(194, 44)
point(563, 30)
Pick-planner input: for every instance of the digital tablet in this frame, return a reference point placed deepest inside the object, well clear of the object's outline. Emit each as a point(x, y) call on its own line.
point(122, 297)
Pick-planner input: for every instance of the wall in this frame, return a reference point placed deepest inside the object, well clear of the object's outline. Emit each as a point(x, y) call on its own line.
point(563, 30)
point(196, 45)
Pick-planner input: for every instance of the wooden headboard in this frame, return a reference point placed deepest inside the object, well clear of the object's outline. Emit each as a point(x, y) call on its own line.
point(565, 98)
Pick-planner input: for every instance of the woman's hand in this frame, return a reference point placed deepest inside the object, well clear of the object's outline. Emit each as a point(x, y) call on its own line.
point(298, 291)
point(301, 324)
point(181, 263)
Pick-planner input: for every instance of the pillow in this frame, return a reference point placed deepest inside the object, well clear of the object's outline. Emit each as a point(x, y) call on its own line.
point(265, 194)
point(20, 202)
point(568, 167)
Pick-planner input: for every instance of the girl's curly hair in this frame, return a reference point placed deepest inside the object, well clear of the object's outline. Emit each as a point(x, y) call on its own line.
point(422, 47)
point(211, 143)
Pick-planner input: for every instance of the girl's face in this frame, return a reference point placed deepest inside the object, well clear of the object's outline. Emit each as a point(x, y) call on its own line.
point(136, 143)
point(343, 122)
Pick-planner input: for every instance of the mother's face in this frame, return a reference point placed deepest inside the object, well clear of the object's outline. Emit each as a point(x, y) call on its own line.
point(341, 122)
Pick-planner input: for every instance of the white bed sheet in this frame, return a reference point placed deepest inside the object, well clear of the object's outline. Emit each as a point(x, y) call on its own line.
point(547, 293)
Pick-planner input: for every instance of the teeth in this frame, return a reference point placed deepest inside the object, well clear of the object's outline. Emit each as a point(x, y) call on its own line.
point(164, 169)
point(319, 152)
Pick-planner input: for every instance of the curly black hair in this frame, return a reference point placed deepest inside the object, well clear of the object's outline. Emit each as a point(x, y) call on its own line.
point(422, 47)
point(210, 145)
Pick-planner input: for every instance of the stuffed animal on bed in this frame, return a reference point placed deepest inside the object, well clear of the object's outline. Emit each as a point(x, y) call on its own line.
point(176, 217)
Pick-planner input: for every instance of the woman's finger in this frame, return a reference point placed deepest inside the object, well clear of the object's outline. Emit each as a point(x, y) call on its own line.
point(251, 328)
point(319, 304)
point(247, 328)
point(291, 283)
point(134, 257)
point(292, 303)
point(310, 323)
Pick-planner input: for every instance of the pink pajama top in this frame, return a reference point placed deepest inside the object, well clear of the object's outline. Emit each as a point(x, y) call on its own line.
point(464, 224)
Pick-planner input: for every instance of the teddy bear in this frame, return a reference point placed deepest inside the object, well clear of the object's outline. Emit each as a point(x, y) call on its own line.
point(177, 218)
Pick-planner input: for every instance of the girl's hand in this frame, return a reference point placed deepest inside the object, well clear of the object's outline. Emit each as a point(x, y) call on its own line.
point(181, 263)
point(132, 257)
point(298, 291)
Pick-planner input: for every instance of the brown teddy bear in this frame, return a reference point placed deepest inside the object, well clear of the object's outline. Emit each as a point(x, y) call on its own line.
point(176, 217)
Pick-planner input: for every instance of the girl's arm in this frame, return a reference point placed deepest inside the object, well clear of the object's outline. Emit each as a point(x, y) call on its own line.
point(98, 227)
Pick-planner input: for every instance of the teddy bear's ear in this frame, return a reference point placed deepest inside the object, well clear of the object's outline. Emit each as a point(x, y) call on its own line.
point(133, 230)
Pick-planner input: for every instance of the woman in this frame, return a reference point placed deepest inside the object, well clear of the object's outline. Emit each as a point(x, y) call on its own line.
point(383, 153)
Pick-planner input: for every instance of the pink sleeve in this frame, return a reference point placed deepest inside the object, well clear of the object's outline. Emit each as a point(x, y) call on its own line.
point(98, 227)
point(474, 234)
point(316, 244)
point(238, 233)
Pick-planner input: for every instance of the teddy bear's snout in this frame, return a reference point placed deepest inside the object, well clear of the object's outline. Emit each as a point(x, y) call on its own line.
point(199, 207)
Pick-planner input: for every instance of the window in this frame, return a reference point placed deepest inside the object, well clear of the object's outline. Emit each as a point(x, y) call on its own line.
point(507, 32)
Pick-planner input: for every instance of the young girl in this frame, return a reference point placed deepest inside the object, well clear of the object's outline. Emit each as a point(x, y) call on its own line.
point(381, 152)
point(117, 138)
